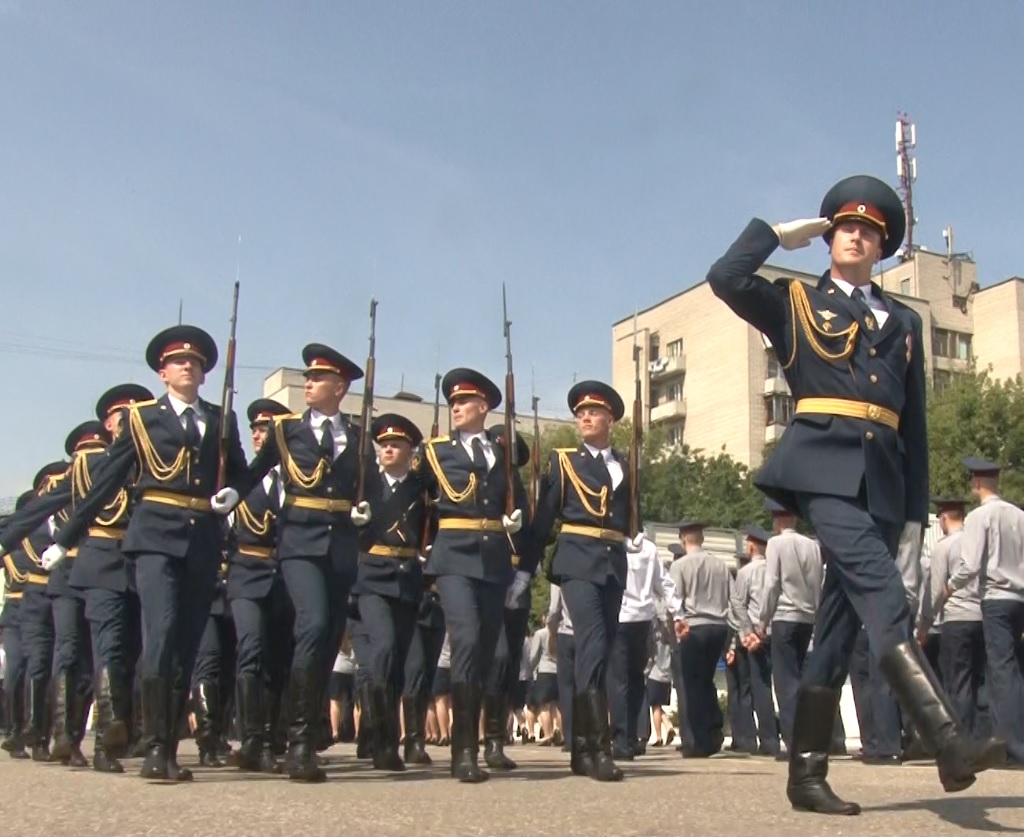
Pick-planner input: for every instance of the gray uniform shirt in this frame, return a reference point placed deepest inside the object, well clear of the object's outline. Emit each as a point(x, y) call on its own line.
point(964, 605)
point(702, 580)
point(993, 550)
point(541, 659)
point(792, 579)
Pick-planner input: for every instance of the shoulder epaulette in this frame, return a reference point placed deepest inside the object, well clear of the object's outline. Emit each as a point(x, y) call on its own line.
point(139, 404)
point(287, 417)
point(437, 440)
point(565, 450)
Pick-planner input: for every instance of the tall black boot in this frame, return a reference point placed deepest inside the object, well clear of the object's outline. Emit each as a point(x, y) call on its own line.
point(364, 737)
point(600, 738)
point(177, 728)
point(249, 700)
point(38, 717)
point(155, 714)
point(495, 730)
point(415, 751)
point(15, 710)
point(303, 721)
point(580, 760)
point(113, 710)
point(465, 725)
point(104, 758)
point(206, 705)
point(275, 741)
point(385, 729)
point(137, 744)
point(77, 717)
point(959, 756)
point(63, 702)
point(807, 788)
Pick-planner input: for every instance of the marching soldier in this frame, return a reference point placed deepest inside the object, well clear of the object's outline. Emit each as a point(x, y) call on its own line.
point(17, 567)
point(260, 606)
point(389, 584)
point(854, 461)
point(992, 552)
point(588, 489)
point(317, 538)
point(471, 556)
point(174, 535)
point(420, 667)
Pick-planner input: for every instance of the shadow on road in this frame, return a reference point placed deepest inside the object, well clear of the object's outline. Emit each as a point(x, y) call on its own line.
point(967, 812)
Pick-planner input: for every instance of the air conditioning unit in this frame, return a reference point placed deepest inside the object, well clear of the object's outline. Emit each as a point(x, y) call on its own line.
point(657, 365)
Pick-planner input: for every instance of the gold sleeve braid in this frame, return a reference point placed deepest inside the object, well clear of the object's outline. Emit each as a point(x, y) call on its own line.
point(582, 489)
point(803, 313)
point(148, 456)
point(295, 474)
point(457, 497)
point(81, 482)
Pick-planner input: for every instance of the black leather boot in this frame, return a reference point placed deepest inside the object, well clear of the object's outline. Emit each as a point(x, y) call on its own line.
point(113, 709)
point(415, 750)
point(303, 721)
point(78, 713)
point(103, 758)
point(63, 702)
point(155, 714)
point(206, 705)
point(38, 718)
point(176, 723)
point(959, 756)
point(495, 729)
point(465, 724)
point(137, 738)
point(580, 760)
point(807, 788)
point(364, 736)
point(385, 729)
point(274, 743)
point(14, 698)
point(600, 738)
point(249, 700)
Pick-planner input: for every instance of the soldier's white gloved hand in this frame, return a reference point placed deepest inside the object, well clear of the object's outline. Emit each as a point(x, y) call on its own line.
point(224, 500)
point(635, 545)
point(52, 556)
point(516, 589)
point(796, 234)
point(512, 522)
point(361, 513)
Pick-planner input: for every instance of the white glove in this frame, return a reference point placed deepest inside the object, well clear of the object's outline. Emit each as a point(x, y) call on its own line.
point(520, 584)
point(224, 500)
point(52, 556)
point(635, 545)
point(512, 522)
point(796, 234)
point(361, 513)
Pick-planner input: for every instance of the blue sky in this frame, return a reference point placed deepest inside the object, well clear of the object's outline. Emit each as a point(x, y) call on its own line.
point(595, 156)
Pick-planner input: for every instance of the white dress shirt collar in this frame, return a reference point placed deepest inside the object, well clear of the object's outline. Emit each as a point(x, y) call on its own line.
point(848, 288)
point(316, 418)
point(603, 453)
point(179, 406)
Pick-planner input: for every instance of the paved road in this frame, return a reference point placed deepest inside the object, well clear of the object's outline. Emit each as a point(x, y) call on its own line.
point(662, 795)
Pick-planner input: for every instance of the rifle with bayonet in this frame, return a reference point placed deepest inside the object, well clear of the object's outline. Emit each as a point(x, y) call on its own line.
point(635, 441)
point(366, 416)
point(227, 400)
point(535, 459)
point(510, 411)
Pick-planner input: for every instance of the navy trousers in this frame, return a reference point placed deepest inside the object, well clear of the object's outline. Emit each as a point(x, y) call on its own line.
point(594, 610)
point(790, 641)
point(626, 683)
point(388, 628)
point(474, 612)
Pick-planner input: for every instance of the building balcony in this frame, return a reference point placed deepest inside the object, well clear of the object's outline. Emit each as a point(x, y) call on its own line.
point(773, 432)
point(669, 410)
point(950, 364)
point(776, 386)
point(666, 367)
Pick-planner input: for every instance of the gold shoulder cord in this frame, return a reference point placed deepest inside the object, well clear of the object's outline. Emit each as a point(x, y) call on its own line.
point(582, 489)
point(457, 497)
point(12, 569)
point(294, 473)
point(802, 312)
point(31, 553)
point(258, 526)
point(160, 471)
point(81, 482)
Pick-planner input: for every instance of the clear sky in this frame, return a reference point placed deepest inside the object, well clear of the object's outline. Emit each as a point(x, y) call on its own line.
point(595, 156)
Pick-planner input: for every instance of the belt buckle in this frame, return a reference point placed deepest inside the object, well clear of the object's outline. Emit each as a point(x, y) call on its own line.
point(874, 412)
point(195, 503)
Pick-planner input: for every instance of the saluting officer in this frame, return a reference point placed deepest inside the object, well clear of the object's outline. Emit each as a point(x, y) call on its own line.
point(471, 555)
point(260, 606)
point(174, 537)
point(317, 538)
point(389, 584)
point(854, 461)
point(588, 489)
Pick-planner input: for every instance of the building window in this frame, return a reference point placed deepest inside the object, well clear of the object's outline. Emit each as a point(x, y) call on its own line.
point(672, 392)
point(675, 434)
point(951, 344)
point(774, 368)
point(905, 287)
point(654, 347)
point(675, 348)
point(779, 409)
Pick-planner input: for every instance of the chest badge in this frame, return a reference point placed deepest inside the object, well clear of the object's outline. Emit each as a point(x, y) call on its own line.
point(826, 319)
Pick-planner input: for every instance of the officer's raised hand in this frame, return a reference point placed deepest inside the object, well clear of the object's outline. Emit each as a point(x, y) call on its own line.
point(224, 500)
point(361, 513)
point(794, 235)
point(512, 522)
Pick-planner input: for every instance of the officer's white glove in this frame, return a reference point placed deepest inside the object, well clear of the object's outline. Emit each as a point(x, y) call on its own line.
point(361, 513)
point(634, 545)
point(512, 522)
point(52, 556)
point(224, 500)
point(796, 234)
point(520, 584)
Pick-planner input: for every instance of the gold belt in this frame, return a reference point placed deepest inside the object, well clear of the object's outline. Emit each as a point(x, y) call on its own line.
point(318, 504)
point(254, 551)
point(35, 578)
point(111, 534)
point(592, 532)
point(849, 409)
point(13, 595)
point(470, 524)
point(403, 552)
point(179, 501)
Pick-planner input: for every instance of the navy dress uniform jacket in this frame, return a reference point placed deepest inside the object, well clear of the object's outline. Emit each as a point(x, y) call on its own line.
point(254, 567)
point(832, 454)
point(397, 525)
point(154, 445)
point(570, 489)
point(460, 494)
